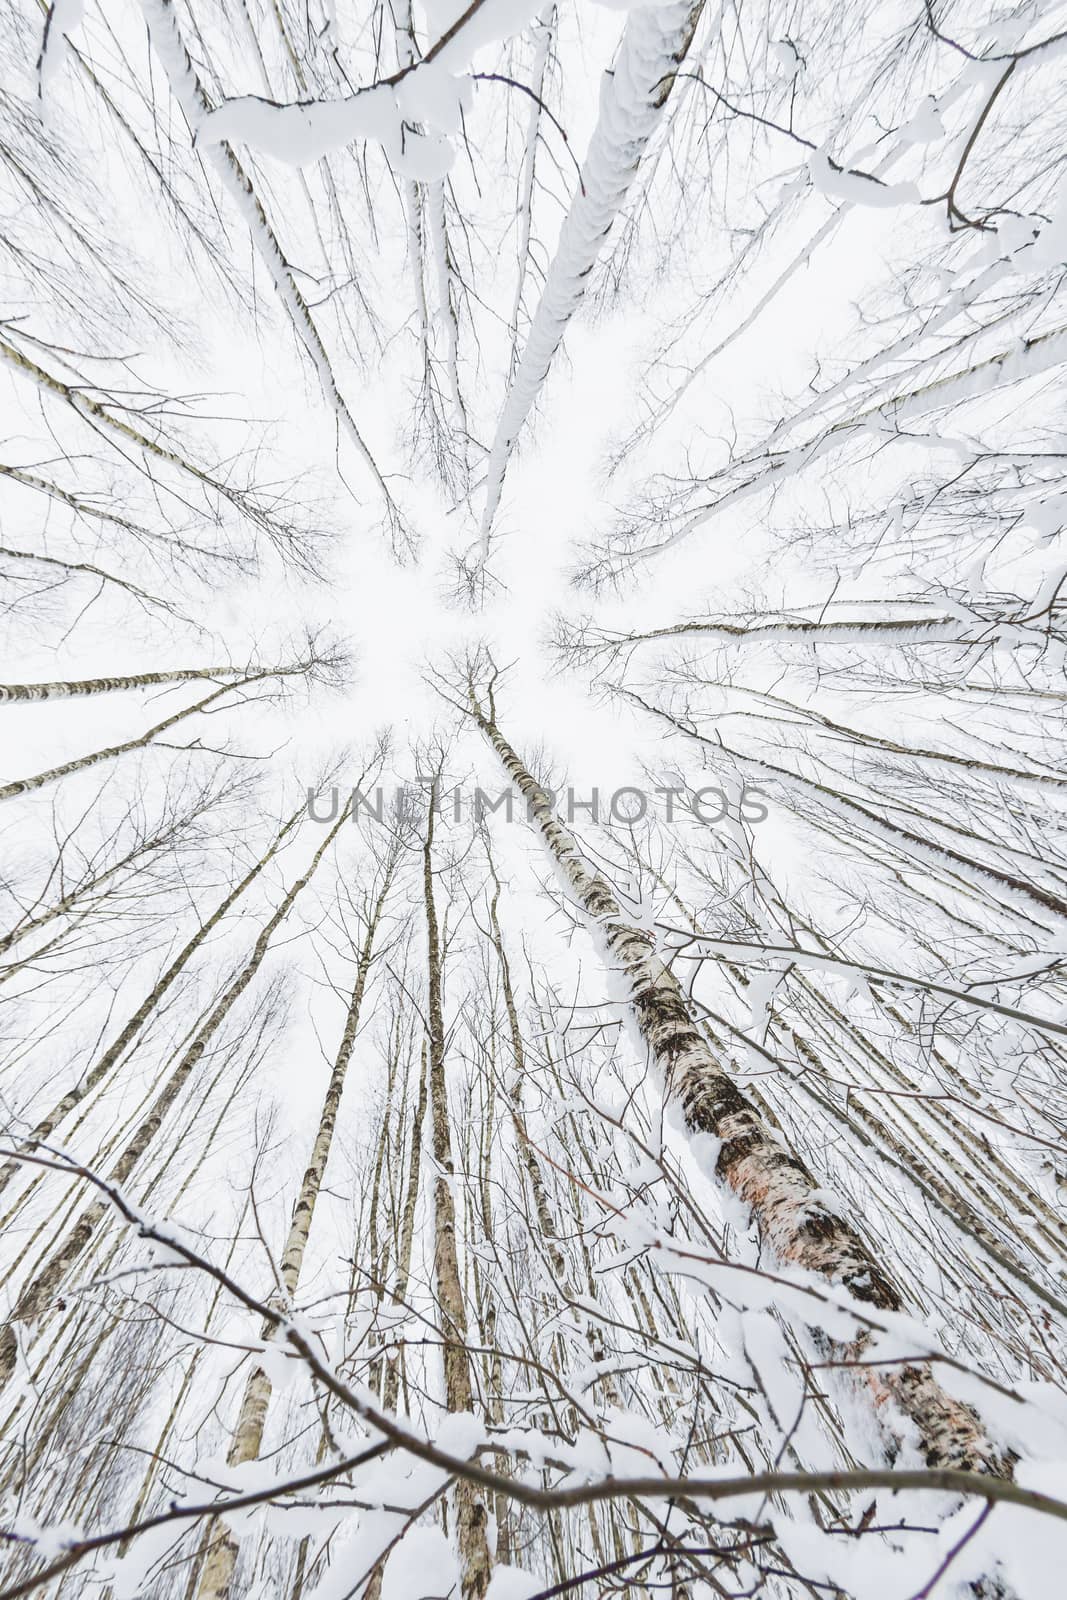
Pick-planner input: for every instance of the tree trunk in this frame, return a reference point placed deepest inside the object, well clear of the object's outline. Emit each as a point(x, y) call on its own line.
point(10, 692)
point(220, 1547)
point(655, 41)
point(470, 1507)
point(53, 774)
point(777, 1187)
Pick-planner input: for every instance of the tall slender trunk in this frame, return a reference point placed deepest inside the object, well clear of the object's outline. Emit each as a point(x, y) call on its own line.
point(546, 1225)
point(52, 774)
point(755, 1165)
point(64, 690)
point(391, 1382)
point(542, 30)
point(219, 1549)
point(393, 1363)
point(493, 1365)
point(470, 1507)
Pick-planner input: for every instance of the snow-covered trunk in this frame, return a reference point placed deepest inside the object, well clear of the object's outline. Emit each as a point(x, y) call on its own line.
point(543, 31)
point(471, 1511)
point(752, 1161)
point(446, 302)
point(632, 100)
point(488, 1317)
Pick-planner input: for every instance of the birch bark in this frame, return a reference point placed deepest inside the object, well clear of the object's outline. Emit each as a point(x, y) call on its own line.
point(220, 1547)
point(10, 692)
point(470, 1507)
point(39, 780)
point(752, 1162)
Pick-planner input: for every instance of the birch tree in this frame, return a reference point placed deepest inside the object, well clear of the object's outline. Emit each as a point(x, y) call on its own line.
point(767, 1177)
point(221, 1549)
point(609, 1140)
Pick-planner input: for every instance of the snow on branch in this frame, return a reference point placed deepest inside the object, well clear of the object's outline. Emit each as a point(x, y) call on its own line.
point(414, 114)
point(632, 101)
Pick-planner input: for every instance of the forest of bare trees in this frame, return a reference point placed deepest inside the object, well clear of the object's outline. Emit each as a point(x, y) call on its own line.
point(533, 821)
